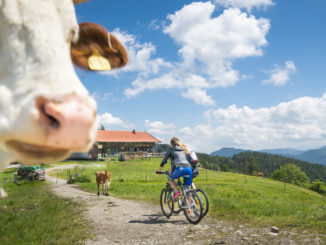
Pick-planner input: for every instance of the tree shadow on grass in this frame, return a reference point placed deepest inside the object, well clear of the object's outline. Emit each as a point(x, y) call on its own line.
point(151, 219)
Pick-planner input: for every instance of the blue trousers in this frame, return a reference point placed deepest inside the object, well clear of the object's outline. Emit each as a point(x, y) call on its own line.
point(185, 172)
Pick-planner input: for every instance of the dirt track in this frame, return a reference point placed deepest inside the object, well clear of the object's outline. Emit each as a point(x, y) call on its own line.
point(118, 221)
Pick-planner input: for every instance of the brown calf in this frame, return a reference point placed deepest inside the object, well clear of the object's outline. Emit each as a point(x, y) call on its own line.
point(260, 174)
point(103, 178)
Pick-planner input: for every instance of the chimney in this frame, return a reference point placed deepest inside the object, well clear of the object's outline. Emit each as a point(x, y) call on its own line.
point(134, 131)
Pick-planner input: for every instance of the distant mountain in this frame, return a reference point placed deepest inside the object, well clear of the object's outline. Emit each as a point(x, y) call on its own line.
point(227, 152)
point(283, 151)
point(312, 156)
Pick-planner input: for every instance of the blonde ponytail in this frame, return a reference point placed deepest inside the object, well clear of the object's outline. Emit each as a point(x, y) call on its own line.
point(175, 141)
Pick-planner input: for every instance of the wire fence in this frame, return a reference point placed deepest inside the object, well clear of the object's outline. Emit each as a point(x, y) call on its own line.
point(145, 176)
point(9, 180)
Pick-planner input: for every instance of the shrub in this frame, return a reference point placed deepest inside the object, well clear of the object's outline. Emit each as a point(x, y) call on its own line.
point(318, 186)
point(80, 179)
point(114, 159)
point(292, 174)
point(83, 179)
point(71, 181)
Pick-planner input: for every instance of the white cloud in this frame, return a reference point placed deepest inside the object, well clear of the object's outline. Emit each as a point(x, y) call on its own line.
point(208, 46)
point(154, 25)
point(159, 128)
point(279, 76)
point(199, 96)
point(246, 4)
point(102, 97)
point(298, 123)
point(140, 56)
point(107, 119)
point(193, 86)
point(291, 124)
point(164, 82)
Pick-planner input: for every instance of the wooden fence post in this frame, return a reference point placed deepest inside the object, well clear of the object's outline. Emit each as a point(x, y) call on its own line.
point(15, 179)
point(206, 174)
point(284, 185)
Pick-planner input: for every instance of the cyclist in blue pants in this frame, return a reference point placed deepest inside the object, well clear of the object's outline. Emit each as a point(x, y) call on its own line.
point(180, 167)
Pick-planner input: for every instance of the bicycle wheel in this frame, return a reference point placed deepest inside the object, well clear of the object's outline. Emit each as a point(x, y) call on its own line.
point(194, 207)
point(166, 202)
point(204, 200)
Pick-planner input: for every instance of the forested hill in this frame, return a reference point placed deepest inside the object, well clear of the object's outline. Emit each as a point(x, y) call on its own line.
point(312, 156)
point(253, 162)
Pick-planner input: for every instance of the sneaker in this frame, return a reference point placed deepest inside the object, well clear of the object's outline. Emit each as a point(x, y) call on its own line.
point(176, 195)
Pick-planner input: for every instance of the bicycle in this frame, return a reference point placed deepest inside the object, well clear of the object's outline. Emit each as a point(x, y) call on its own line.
point(189, 202)
point(203, 197)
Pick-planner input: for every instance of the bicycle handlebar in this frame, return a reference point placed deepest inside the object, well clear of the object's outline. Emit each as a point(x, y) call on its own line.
point(165, 172)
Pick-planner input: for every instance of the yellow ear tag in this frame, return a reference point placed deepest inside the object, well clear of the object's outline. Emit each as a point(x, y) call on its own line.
point(98, 63)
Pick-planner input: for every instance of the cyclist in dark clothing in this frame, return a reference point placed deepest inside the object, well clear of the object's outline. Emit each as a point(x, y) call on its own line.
point(180, 167)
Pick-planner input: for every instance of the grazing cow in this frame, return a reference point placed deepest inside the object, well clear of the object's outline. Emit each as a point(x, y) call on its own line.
point(260, 174)
point(103, 179)
point(45, 111)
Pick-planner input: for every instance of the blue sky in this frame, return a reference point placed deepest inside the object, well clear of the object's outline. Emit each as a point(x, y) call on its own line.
point(222, 73)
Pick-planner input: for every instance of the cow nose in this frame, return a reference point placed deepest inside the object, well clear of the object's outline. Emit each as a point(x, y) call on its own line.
point(70, 124)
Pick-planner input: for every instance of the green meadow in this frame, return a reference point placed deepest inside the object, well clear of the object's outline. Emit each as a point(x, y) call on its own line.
point(234, 197)
point(31, 214)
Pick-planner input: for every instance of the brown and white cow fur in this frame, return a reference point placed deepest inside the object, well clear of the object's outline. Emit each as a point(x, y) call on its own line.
point(103, 179)
point(45, 111)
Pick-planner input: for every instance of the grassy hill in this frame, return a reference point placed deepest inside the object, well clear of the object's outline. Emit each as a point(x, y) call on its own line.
point(232, 196)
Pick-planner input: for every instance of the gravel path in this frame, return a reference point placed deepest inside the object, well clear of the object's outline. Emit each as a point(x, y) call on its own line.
point(119, 221)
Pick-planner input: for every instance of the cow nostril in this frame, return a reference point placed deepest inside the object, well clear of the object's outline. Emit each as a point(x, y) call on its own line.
point(54, 123)
point(50, 119)
point(45, 117)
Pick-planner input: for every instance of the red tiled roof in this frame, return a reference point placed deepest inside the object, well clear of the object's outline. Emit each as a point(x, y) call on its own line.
point(124, 136)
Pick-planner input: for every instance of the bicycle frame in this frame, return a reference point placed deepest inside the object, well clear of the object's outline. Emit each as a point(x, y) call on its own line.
point(183, 202)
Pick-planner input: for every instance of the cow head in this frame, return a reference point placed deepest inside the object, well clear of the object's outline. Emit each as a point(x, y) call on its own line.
point(45, 111)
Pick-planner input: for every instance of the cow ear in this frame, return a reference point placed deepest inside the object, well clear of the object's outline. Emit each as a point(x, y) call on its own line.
point(79, 1)
point(97, 49)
